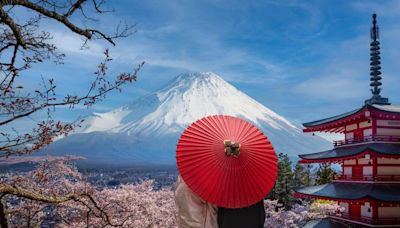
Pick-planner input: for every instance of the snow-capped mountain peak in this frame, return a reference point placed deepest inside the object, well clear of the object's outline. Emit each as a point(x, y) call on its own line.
point(130, 132)
point(184, 100)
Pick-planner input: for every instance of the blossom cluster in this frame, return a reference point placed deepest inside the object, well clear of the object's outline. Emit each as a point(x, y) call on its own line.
point(129, 205)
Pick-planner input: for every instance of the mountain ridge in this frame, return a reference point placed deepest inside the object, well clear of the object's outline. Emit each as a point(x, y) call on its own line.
point(138, 131)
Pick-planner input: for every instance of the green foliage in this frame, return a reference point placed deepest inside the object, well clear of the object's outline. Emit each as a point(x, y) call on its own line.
point(301, 176)
point(287, 180)
point(324, 174)
point(283, 188)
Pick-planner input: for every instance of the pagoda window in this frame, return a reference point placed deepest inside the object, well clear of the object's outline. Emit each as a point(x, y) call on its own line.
point(349, 162)
point(367, 171)
point(367, 132)
point(351, 127)
point(388, 170)
point(364, 161)
point(347, 171)
point(365, 124)
point(345, 206)
point(388, 161)
point(389, 212)
point(388, 131)
point(349, 136)
point(366, 210)
point(388, 123)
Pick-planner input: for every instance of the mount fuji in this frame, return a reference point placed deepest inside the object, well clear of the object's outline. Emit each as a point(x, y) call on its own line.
point(147, 130)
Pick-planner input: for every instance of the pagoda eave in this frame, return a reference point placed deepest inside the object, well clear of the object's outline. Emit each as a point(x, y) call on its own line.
point(359, 192)
point(336, 124)
point(340, 159)
point(361, 200)
point(383, 150)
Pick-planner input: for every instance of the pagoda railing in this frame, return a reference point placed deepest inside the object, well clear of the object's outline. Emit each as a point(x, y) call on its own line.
point(369, 178)
point(369, 220)
point(365, 139)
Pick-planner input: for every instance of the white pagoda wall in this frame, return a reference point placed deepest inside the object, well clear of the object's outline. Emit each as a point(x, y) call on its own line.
point(367, 170)
point(388, 131)
point(392, 166)
point(388, 170)
point(364, 161)
point(345, 206)
point(389, 212)
point(388, 161)
point(364, 210)
point(350, 162)
point(348, 171)
point(368, 132)
point(349, 136)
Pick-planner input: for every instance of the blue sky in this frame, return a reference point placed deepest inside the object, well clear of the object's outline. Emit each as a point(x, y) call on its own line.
point(303, 59)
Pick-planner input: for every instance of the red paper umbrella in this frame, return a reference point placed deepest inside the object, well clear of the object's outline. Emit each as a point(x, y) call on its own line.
point(226, 161)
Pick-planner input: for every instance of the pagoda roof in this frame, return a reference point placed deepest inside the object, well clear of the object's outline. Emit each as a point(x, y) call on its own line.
point(352, 151)
point(324, 223)
point(384, 108)
point(331, 119)
point(353, 191)
point(388, 108)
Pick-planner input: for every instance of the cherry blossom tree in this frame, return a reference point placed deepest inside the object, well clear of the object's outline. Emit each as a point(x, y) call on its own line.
point(125, 206)
point(24, 43)
point(130, 205)
point(299, 215)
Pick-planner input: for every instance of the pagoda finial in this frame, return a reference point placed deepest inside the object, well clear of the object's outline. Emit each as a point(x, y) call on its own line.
point(375, 67)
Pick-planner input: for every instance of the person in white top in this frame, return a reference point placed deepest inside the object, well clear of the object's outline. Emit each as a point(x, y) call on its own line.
point(193, 212)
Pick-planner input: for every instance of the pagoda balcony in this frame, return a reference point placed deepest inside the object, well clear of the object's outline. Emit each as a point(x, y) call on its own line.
point(383, 178)
point(393, 221)
point(367, 139)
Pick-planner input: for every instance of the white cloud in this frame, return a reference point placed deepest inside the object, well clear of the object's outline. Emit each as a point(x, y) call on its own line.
point(72, 44)
point(340, 86)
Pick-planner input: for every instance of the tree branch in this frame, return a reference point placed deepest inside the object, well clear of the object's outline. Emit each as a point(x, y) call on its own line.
point(52, 14)
point(21, 192)
point(3, 218)
point(74, 7)
point(123, 78)
point(13, 26)
point(80, 198)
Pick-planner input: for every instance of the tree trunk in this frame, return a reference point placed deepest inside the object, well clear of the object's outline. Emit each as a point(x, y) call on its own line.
point(3, 219)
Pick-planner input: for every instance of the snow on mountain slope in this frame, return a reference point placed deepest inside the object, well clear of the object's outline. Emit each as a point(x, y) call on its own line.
point(147, 130)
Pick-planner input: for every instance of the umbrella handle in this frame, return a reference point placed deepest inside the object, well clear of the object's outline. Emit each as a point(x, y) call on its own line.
point(232, 148)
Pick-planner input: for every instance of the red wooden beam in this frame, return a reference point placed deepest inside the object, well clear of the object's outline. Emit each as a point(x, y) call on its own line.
point(361, 200)
point(360, 155)
point(340, 130)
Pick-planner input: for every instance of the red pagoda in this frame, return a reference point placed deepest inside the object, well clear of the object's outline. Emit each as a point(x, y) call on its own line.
point(369, 184)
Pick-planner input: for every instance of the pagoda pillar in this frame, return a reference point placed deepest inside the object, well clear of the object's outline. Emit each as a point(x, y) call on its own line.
point(373, 128)
point(374, 207)
point(374, 167)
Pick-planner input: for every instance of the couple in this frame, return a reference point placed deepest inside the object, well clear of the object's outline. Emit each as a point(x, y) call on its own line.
point(193, 212)
point(226, 161)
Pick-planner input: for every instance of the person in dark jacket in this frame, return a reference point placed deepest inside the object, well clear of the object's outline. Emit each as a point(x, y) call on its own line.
point(247, 217)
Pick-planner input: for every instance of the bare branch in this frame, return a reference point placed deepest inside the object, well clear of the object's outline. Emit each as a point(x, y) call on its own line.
point(3, 218)
point(13, 26)
point(52, 14)
point(75, 6)
point(21, 192)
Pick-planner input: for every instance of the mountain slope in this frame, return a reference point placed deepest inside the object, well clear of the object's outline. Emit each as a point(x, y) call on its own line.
point(147, 130)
